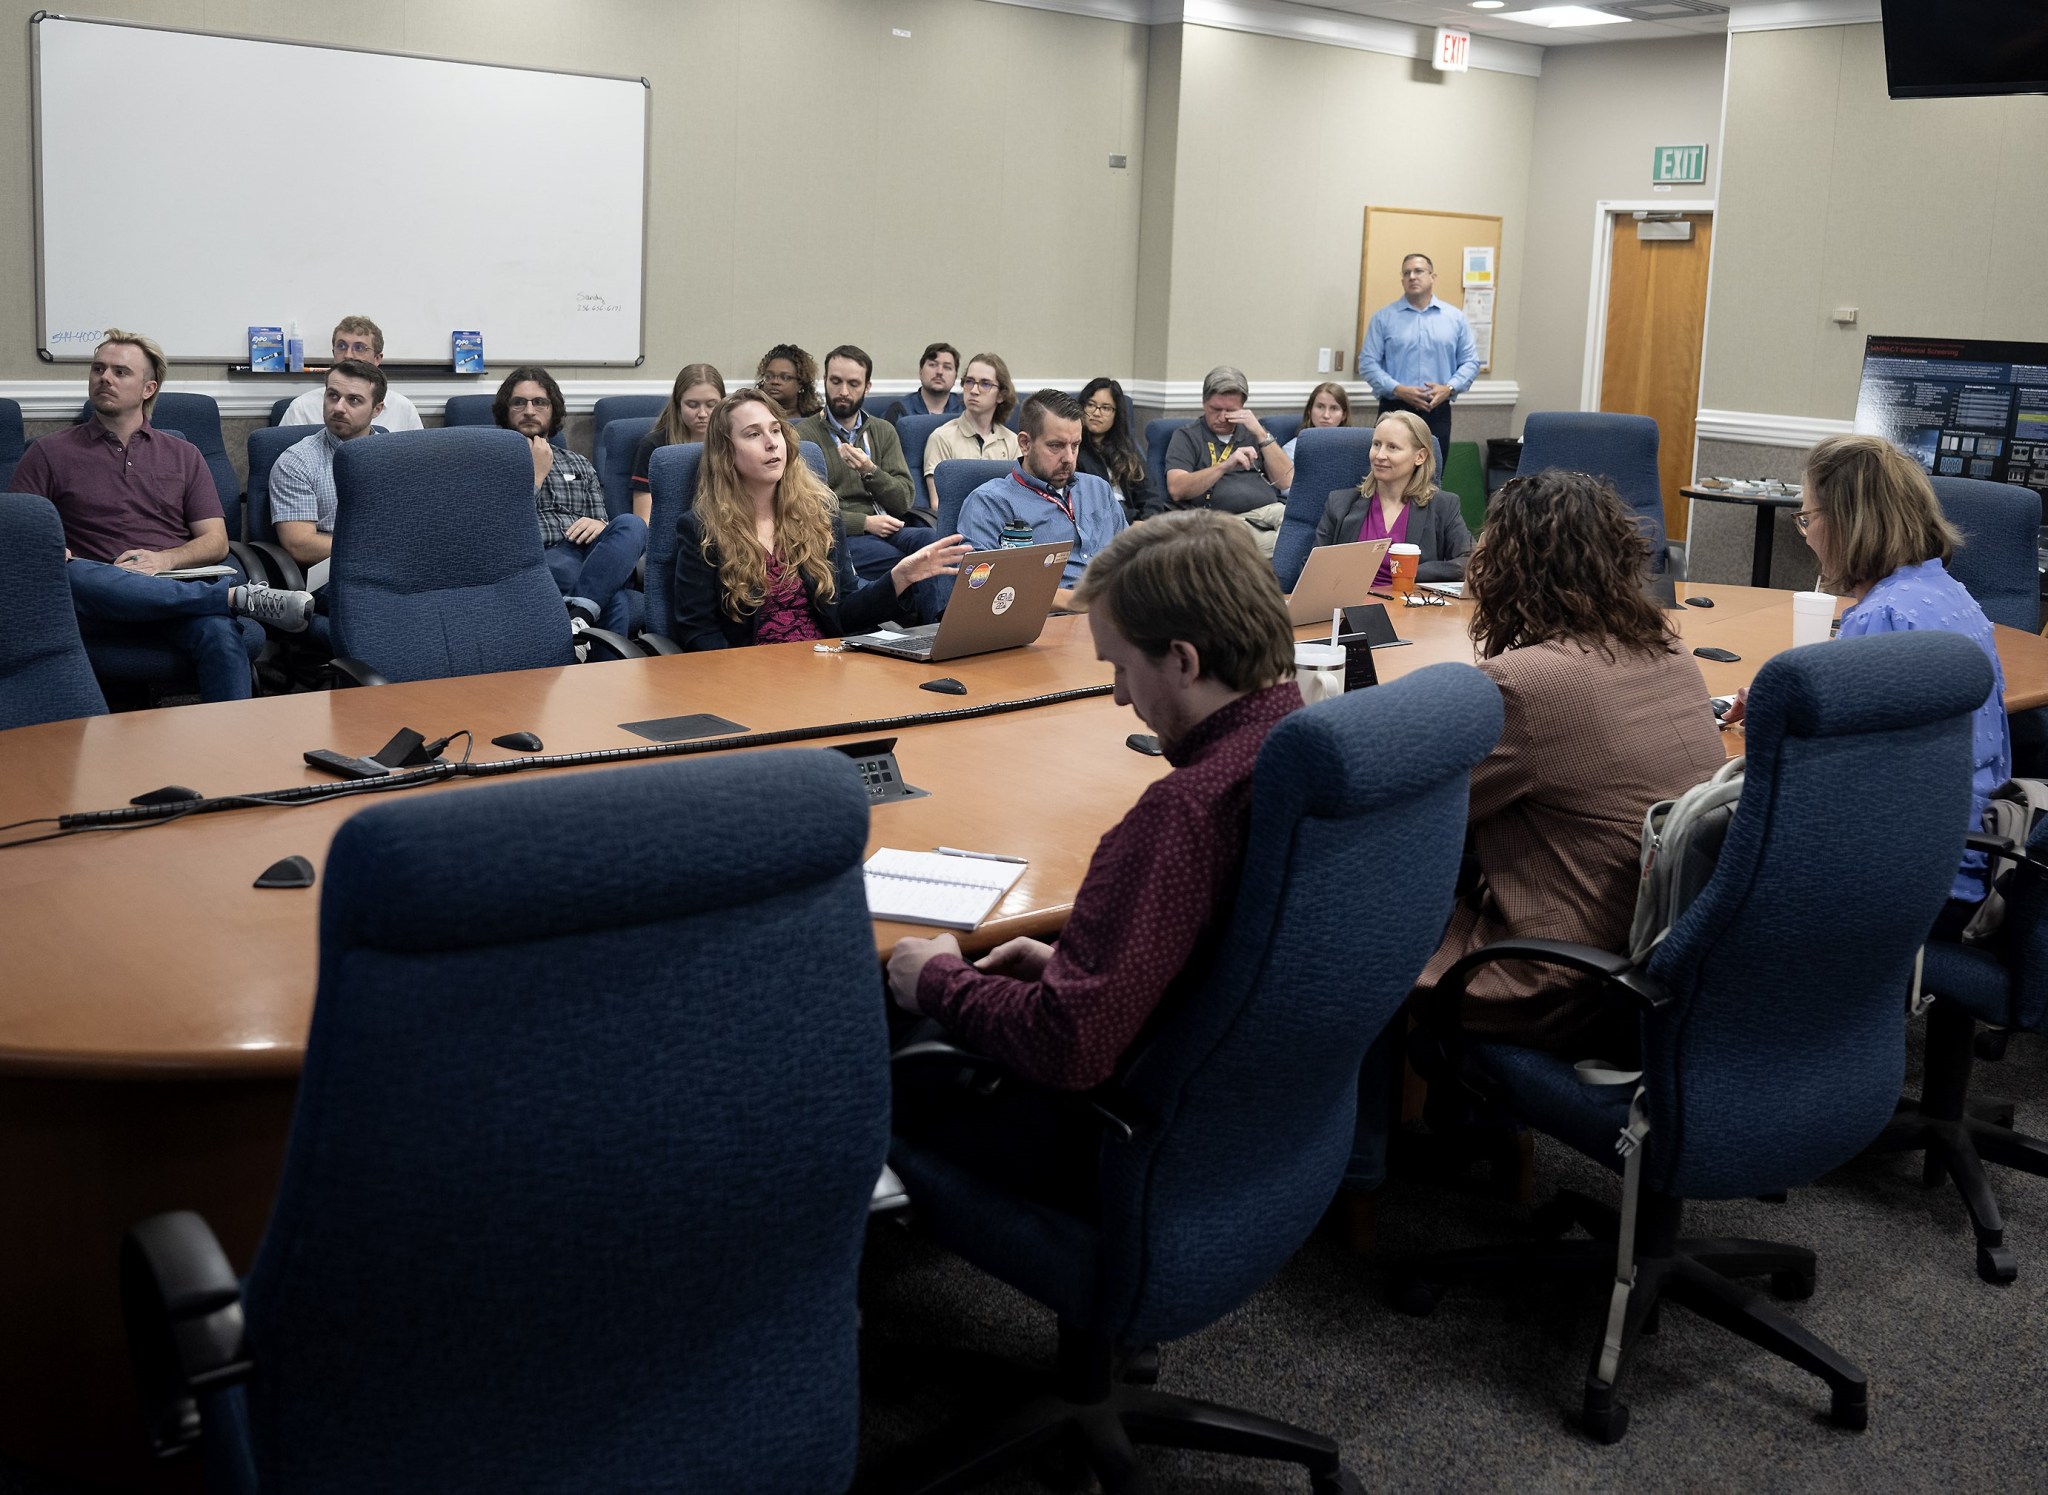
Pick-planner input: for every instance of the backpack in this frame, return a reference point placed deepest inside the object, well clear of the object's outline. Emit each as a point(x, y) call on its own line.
point(1681, 845)
point(2016, 807)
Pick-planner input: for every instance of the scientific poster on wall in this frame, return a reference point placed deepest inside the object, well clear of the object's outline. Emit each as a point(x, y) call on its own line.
point(1959, 407)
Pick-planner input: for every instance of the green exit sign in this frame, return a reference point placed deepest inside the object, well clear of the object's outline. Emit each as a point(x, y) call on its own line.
point(1678, 163)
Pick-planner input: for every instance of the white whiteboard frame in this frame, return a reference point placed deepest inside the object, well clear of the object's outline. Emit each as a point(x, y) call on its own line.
point(43, 352)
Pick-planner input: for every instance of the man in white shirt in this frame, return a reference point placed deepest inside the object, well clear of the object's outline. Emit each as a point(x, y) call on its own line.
point(361, 339)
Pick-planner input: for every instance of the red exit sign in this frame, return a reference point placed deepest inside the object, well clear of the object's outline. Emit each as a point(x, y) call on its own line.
point(1453, 49)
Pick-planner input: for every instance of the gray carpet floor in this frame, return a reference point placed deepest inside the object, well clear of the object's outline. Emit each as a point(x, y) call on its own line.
point(1475, 1397)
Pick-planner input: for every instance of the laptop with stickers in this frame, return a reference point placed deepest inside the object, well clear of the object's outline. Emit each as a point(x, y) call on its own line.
point(1000, 601)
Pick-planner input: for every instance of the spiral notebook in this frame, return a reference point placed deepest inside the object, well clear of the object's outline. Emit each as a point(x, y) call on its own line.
point(932, 887)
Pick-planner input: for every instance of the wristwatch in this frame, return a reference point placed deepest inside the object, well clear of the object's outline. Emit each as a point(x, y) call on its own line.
point(1267, 440)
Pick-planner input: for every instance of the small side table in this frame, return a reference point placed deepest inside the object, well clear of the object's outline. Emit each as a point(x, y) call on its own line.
point(1765, 505)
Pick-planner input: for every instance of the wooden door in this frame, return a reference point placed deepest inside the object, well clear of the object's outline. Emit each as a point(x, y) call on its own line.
point(1656, 317)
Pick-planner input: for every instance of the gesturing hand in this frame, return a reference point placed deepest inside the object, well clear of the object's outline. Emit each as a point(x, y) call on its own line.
point(940, 558)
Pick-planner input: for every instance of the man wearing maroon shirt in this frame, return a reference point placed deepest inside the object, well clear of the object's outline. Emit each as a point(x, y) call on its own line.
point(1188, 613)
point(135, 502)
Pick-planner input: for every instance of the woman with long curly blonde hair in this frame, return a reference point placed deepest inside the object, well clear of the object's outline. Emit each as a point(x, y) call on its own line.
point(759, 557)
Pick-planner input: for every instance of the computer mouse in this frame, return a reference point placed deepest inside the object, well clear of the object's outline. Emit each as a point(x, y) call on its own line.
point(170, 794)
point(1699, 602)
point(1144, 742)
point(1722, 656)
point(947, 686)
point(524, 742)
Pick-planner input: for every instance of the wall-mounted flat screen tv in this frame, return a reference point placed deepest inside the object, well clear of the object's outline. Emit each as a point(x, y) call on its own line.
point(1937, 49)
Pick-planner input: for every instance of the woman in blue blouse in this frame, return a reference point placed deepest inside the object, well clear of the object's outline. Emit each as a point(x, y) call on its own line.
point(1871, 518)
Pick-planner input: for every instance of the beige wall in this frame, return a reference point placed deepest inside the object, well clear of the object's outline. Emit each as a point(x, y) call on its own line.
point(1927, 215)
point(813, 177)
point(1600, 112)
point(1281, 146)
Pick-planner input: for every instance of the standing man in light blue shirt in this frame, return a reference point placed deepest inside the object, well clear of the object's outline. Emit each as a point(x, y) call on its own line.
point(1044, 492)
point(1418, 353)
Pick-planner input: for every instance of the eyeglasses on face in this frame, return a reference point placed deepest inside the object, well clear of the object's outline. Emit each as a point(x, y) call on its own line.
point(979, 384)
point(1099, 407)
point(343, 349)
point(1806, 517)
point(524, 402)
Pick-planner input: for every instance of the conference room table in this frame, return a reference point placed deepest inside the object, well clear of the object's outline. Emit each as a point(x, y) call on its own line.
point(155, 1003)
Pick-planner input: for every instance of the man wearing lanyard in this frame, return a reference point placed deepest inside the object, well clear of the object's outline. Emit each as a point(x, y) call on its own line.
point(1227, 460)
point(1044, 492)
point(864, 467)
point(1418, 353)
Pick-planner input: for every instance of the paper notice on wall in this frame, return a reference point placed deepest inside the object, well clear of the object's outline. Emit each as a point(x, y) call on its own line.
point(1479, 313)
point(1478, 265)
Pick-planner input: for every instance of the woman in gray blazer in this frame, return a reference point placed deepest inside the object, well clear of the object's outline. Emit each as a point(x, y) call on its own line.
point(1399, 499)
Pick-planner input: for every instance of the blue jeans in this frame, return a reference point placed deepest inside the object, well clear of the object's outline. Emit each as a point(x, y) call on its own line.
point(192, 615)
point(598, 571)
point(874, 556)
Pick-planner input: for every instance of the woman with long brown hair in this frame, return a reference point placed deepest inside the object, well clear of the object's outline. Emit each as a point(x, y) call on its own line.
point(686, 416)
point(758, 554)
point(1605, 715)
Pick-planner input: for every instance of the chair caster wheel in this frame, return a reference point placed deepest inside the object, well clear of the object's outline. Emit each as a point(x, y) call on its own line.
point(1792, 1287)
point(1341, 1483)
point(1416, 1298)
point(1606, 1424)
point(1997, 1264)
point(1850, 1410)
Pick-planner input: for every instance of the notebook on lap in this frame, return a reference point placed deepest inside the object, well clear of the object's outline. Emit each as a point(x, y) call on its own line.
point(1335, 576)
point(1000, 601)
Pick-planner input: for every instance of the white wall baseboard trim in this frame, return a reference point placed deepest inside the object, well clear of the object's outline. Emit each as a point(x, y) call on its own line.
point(245, 399)
point(1755, 428)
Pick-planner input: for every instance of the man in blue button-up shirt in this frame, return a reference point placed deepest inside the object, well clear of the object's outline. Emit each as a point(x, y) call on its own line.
point(1044, 492)
point(1418, 352)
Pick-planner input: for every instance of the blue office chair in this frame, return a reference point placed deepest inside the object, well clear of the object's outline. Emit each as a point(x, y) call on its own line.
point(955, 478)
point(468, 410)
point(914, 432)
point(672, 488)
point(1157, 434)
point(609, 408)
point(278, 407)
point(1228, 1129)
point(12, 440)
point(1620, 448)
point(1325, 459)
point(1282, 428)
point(2003, 982)
point(197, 419)
point(1998, 566)
point(437, 567)
point(45, 675)
point(875, 406)
point(266, 445)
point(577, 1185)
point(1772, 1010)
point(614, 456)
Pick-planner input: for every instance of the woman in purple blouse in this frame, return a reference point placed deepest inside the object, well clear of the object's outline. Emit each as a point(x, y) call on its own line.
point(1399, 501)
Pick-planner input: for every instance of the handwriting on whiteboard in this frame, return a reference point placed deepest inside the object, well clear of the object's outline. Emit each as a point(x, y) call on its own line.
point(590, 301)
point(92, 337)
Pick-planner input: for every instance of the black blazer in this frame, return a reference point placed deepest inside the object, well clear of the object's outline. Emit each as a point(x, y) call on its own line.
point(703, 623)
point(1437, 529)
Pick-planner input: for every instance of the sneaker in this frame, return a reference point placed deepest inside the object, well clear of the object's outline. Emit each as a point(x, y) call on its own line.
point(273, 607)
point(582, 613)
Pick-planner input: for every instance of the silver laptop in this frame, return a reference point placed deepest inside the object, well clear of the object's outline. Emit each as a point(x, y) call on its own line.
point(1000, 601)
point(1335, 576)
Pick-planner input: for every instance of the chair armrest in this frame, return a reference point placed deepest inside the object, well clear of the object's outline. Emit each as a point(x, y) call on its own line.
point(183, 1308)
point(353, 672)
point(2006, 851)
point(657, 643)
point(606, 646)
point(1617, 971)
point(277, 562)
point(919, 515)
point(1115, 1110)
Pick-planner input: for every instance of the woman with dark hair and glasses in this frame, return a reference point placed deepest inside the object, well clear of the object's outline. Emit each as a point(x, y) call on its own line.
point(1605, 715)
point(1109, 452)
point(789, 376)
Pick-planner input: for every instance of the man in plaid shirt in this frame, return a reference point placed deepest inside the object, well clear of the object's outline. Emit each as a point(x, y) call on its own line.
point(591, 555)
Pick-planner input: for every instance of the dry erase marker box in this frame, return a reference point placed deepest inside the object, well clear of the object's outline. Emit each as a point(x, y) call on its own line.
point(266, 350)
point(469, 352)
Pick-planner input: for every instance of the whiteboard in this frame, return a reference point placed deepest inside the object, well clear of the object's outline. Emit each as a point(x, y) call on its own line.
point(191, 186)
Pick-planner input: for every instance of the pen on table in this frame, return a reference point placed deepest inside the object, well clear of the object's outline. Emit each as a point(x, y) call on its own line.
point(1383, 596)
point(981, 856)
